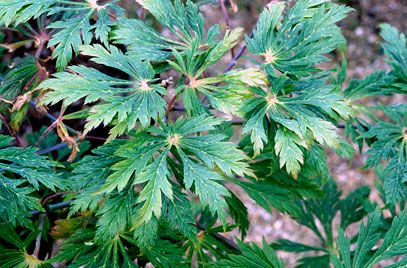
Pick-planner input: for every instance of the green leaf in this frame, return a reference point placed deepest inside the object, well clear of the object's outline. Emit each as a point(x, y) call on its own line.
point(13, 12)
point(90, 174)
point(114, 215)
point(255, 126)
point(293, 121)
point(156, 175)
point(126, 101)
point(297, 43)
point(22, 71)
point(313, 261)
point(395, 240)
point(203, 161)
point(32, 167)
point(343, 246)
point(290, 246)
point(12, 257)
point(180, 216)
point(183, 20)
point(22, 172)
point(316, 161)
point(123, 170)
point(252, 256)
point(287, 148)
point(394, 243)
point(144, 42)
point(167, 254)
point(367, 238)
point(76, 29)
point(280, 191)
point(238, 212)
point(210, 192)
point(81, 249)
point(224, 92)
point(354, 207)
point(324, 209)
point(72, 34)
point(391, 146)
point(16, 201)
point(146, 234)
point(374, 84)
point(394, 47)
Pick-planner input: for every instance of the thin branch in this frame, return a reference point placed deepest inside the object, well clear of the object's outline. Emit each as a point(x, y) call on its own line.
point(29, 82)
point(237, 121)
point(233, 62)
point(170, 104)
point(45, 200)
point(227, 21)
point(89, 137)
point(53, 118)
point(225, 12)
point(178, 108)
point(48, 130)
point(52, 207)
point(42, 40)
point(56, 206)
point(70, 129)
point(63, 144)
point(38, 239)
point(220, 237)
point(52, 148)
point(342, 126)
point(4, 120)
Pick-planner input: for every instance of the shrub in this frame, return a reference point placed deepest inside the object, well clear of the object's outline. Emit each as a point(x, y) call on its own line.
point(175, 134)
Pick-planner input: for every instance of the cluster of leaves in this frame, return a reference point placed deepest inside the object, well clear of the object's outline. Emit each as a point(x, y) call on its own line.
point(160, 188)
point(23, 172)
point(386, 138)
point(74, 22)
point(352, 208)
